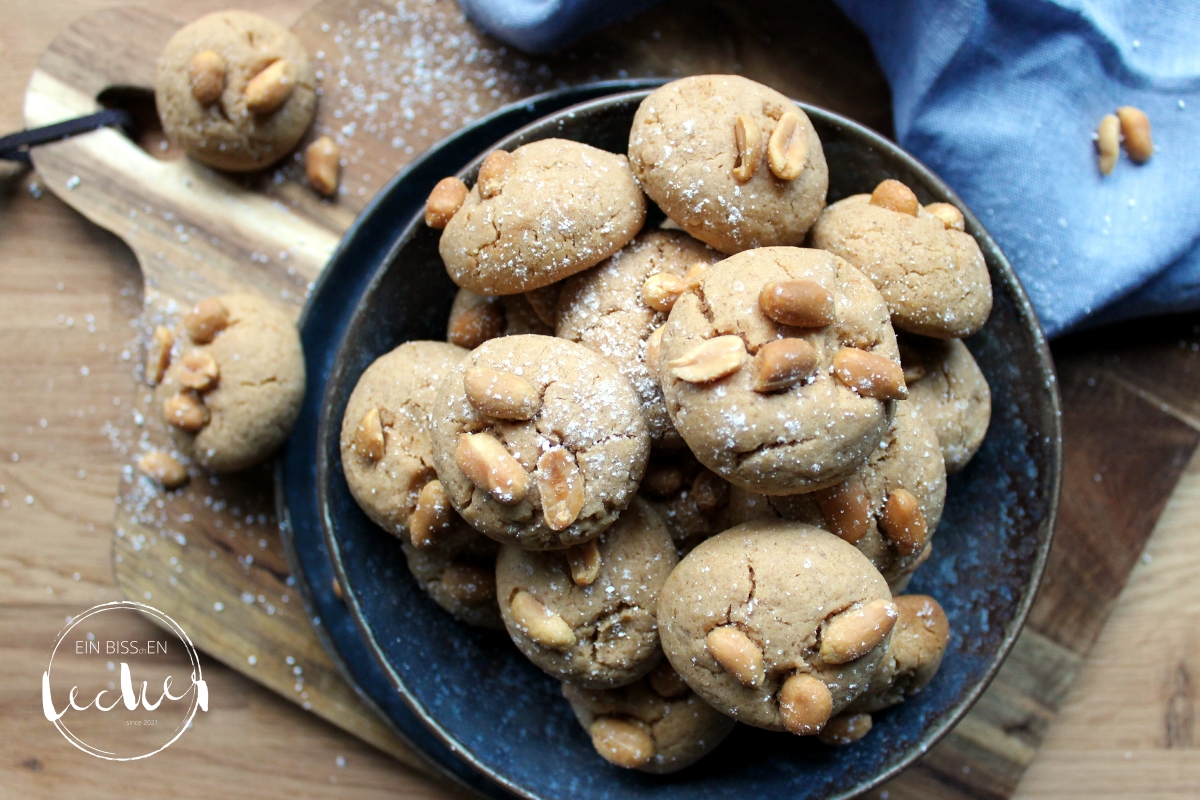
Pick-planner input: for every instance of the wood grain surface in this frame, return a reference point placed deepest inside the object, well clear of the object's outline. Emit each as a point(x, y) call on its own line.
point(69, 294)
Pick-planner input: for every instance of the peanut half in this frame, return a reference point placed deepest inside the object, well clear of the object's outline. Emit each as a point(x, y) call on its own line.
point(158, 356)
point(800, 303)
point(1135, 127)
point(895, 196)
point(845, 729)
point(185, 411)
point(444, 202)
point(692, 278)
point(869, 375)
point(787, 149)
point(621, 743)
point(485, 462)
point(206, 320)
point(369, 440)
point(584, 561)
point(846, 509)
point(561, 486)
point(783, 363)
point(654, 352)
point(541, 624)
point(163, 468)
point(502, 395)
point(271, 88)
point(710, 491)
point(1108, 142)
point(852, 634)
point(432, 516)
point(805, 704)
point(661, 290)
point(747, 138)
point(662, 480)
point(710, 360)
point(470, 584)
point(322, 163)
point(904, 523)
point(665, 681)
point(949, 215)
point(206, 73)
point(493, 171)
point(737, 654)
point(198, 371)
point(477, 325)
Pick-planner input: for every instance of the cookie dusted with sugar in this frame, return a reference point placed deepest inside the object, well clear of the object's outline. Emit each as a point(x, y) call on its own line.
point(546, 210)
point(914, 654)
point(948, 389)
point(476, 318)
point(734, 163)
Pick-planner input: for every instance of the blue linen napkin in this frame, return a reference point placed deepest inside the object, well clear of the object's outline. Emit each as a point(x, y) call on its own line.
point(1001, 98)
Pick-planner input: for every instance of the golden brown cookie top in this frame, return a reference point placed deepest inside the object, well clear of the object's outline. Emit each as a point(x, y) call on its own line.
point(951, 392)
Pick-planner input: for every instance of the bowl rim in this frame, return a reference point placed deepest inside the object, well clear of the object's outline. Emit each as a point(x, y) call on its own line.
point(1025, 313)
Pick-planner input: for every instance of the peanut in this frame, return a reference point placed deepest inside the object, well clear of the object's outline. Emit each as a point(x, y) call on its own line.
point(904, 523)
point(692, 278)
point(747, 138)
point(501, 394)
point(783, 363)
point(895, 196)
point(163, 468)
point(545, 302)
point(737, 654)
point(470, 584)
point(623, 744)
point(845, 729)
point(493, 171)
point(198, 371)
point(432, 516)
point(206, 73)
point(369, 440)
point(654, 352)
point(1108, 142)
point(185, 411)
point(584, 561)
point(800, 303)
point(852, 634)
point(1135, 128)
point(710, 491)
point(662, 480)
point(337, 589)
point(787, 150)
point(805, 704)
point(846, 509)
point(322, 163)
point(477, 325)
point(485, 462)
point(271, 88)
point(541, 624)
point(158, 356)
point(869, 375)
point(561, 486)
point(661, 290)
point(710, 360)
point(913, 372)
point(444, 202)
point(206, 320)
point(950, 216)
point(665, 681)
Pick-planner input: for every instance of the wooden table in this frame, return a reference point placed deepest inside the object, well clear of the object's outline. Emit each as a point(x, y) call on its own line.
point(68, 295)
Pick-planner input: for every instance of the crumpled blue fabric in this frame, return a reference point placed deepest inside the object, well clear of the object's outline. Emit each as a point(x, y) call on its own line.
point(1001, 98)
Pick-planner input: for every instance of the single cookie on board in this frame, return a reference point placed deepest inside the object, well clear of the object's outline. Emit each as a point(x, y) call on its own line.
point(736, 164)
point(781, 408)
point(913, 656)
point(538, 441)
point(476, 318)
point(691, 499)
point(234, 393)
point(949, 390)
point(776, 624)
point(235, 90)
point(869, 509)
point(544, 211)
point(929, 271)
point(614, 308)
point(587, 615)
point(656, 725)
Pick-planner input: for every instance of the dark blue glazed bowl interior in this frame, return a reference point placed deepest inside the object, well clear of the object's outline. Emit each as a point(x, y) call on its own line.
point(479, 698)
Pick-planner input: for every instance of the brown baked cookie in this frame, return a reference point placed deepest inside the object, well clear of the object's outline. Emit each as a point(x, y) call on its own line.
point(476, 318)
point(780, 369)
point(614, 308)
point(913, 656)
point(235, 90)
point(736, 164)
point(587, 615)
point(929, 271)
point(691, 499)
point(234, 392)
point(539, 442)
point(948, 389)
point(546, 210)
point(888, 509)
point(656, 725)
point(776, 624)
point(457, 568)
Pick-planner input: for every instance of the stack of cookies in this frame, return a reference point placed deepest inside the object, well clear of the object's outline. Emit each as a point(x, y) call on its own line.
point(688, 469)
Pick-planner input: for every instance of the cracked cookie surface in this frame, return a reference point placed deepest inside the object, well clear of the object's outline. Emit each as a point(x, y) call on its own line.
point(951, 393)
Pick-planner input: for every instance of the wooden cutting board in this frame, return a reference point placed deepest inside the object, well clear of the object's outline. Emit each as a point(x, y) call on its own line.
point(396, 78)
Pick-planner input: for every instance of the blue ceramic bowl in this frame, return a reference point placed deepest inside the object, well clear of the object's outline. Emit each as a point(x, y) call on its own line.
point(451, 689)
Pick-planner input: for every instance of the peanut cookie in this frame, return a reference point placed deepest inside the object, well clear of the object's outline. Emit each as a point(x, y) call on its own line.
point(234, 393)
point(457, 568)
point(929, 271)
point(656, 725)
point(780, 369)
point(913, 656)
point(692, 499)
point(614, 308)
point(948, 389)
point(736, 164)
point(235, 90)
point(587, 615)
point(546, 210)
point(538, 441)
point(475, 318)
point(776, 624)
